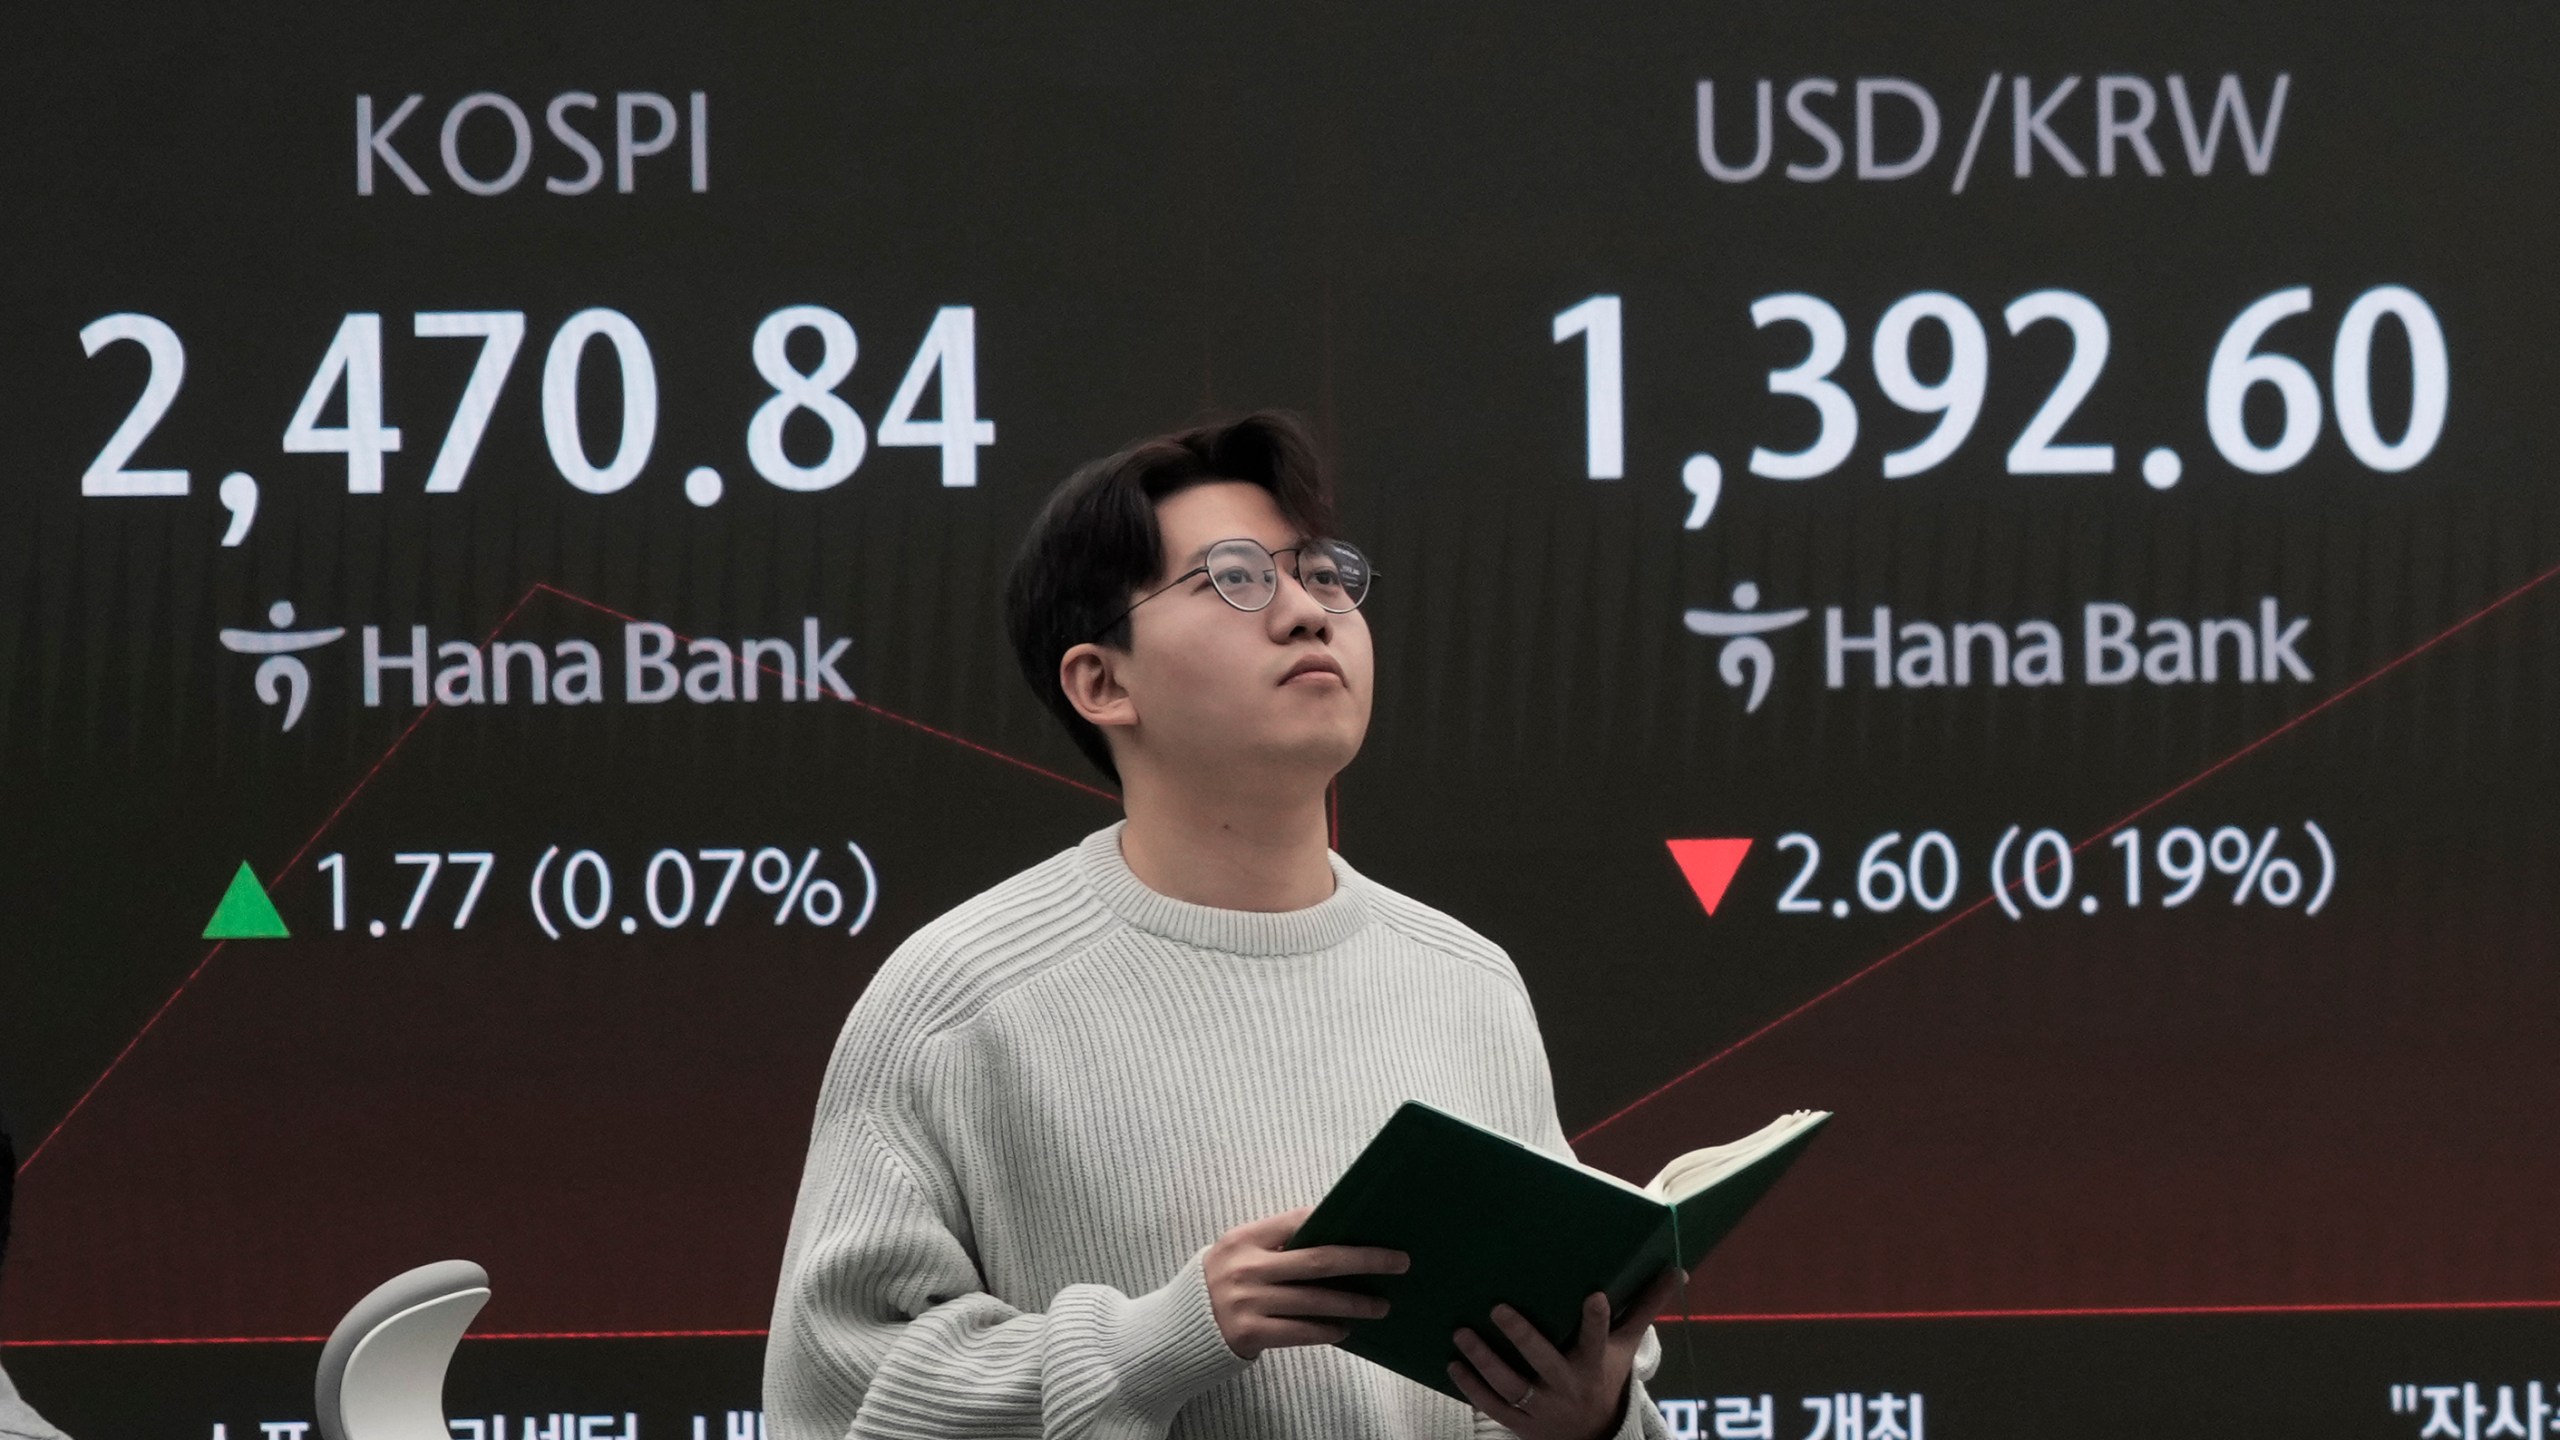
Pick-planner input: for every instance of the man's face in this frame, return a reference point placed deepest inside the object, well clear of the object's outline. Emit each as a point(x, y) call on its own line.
point(1212, 686)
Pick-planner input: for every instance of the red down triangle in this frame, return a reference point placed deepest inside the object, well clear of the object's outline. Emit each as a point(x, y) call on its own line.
point(1709, 865)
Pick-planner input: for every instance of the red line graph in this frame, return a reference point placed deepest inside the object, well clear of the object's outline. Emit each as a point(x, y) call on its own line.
point(2327, 703)
point(337, 811)
point(323, 1339)
point(193, 975)
point(2082, 1312)
point(2145, 808)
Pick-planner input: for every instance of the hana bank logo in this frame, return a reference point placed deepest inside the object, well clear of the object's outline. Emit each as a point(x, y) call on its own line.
point(2107, 643)
point(1746, 659)
point(652, 662)
point(281, 678)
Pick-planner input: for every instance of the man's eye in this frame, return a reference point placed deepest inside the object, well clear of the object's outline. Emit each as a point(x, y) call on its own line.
point(1232, 575)
point(1324, 575)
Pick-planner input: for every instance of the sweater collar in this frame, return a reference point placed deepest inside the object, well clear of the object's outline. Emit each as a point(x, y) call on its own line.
point(1320, 926)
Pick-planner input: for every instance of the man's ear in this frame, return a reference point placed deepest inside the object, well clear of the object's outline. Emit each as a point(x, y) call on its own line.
point(1088, 675)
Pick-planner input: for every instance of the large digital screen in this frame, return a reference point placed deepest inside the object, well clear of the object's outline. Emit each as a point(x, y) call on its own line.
point(1987, 568)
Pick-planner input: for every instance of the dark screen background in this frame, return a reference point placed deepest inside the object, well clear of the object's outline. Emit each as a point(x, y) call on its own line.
point(2225, 1166)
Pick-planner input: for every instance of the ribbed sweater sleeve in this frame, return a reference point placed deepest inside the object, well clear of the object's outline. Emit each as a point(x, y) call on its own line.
point(883, 1328)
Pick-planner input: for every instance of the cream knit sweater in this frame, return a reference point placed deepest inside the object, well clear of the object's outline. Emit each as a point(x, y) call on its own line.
point(1053, 1098)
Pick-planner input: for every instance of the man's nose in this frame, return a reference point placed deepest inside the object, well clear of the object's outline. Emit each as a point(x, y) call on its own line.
point(1294, 610)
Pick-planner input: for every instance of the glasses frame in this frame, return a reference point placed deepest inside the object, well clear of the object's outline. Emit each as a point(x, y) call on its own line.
point(1203, 569)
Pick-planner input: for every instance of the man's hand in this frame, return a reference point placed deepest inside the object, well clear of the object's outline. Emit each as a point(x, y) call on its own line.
point(1260, 1294)
point(1577, 1395)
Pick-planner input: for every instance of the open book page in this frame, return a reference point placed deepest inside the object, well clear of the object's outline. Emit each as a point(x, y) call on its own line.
point(1595, 1171)
point(1629, 1186)
point(1688, 1174)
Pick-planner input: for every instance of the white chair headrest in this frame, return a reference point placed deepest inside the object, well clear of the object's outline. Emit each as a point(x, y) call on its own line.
point(382, 1372)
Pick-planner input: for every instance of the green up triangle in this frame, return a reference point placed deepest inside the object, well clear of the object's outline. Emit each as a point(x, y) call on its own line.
point(245, 912)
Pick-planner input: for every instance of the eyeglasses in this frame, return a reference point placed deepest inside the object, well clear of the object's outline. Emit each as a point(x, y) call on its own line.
point(1247, 575)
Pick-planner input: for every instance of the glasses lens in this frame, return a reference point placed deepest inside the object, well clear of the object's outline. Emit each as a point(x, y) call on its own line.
point(1335, 573)
point(1244, 573)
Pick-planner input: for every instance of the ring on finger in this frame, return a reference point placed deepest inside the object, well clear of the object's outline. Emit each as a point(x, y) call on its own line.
point(1522, 1404)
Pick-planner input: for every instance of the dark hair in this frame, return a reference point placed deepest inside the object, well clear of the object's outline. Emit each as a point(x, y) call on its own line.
point(1095, 544)
point(8, 1183)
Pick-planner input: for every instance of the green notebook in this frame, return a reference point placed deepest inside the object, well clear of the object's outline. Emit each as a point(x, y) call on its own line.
point(1487, 1219)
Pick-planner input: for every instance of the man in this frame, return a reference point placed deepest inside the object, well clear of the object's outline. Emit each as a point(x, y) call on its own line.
point(1071, 1124)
